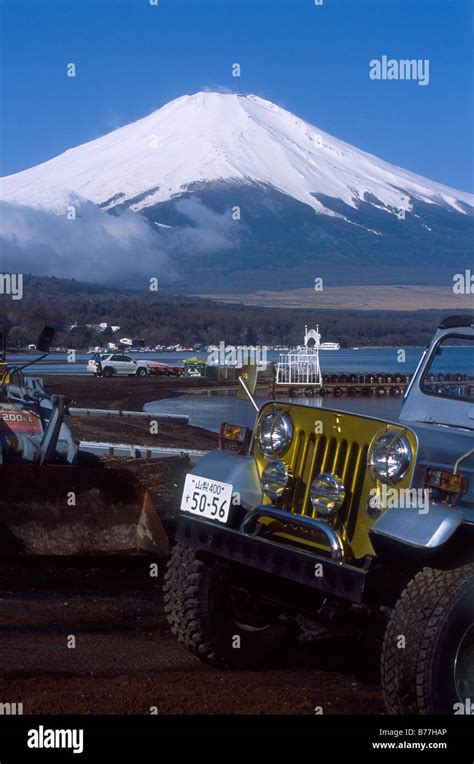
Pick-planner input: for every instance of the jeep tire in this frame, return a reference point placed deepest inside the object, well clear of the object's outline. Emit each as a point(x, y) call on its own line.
point(428, 650)
point(202, 614)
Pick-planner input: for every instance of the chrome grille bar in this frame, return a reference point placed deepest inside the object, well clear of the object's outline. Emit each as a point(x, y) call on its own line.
point(318, 453)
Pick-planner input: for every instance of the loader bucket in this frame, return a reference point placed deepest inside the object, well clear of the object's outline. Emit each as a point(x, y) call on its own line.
point(70, 510)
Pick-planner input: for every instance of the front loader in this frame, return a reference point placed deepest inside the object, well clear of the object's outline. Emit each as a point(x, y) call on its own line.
point(55, 500)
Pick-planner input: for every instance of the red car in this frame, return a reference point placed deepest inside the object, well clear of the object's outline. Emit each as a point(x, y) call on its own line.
point(164, 369)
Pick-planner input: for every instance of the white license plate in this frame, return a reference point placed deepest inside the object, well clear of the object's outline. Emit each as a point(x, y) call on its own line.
point(206, 498)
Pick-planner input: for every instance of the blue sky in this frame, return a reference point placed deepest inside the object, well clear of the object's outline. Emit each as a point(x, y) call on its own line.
point(132, 57)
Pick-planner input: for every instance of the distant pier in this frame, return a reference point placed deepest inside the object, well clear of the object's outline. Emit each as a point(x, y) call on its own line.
point(346, 384)
point(376, 384)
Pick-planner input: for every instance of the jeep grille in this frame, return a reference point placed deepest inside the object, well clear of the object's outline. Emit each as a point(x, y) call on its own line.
point(315, 454)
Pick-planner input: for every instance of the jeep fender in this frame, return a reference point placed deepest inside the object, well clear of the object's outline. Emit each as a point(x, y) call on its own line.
point(428, 530)
point(238, 470)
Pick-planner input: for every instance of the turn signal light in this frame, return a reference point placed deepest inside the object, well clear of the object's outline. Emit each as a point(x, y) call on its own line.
point(234, 437)
point(445, 487)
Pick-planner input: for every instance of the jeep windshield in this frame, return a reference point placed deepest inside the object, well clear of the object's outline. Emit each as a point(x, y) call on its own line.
point(450, 372)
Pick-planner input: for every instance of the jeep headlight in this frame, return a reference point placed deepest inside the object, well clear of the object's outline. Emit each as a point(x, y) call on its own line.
point(389, 456)
point(275, 480)
point(275, 433)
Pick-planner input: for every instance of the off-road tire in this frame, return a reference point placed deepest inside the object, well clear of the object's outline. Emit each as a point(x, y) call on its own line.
point(196, 605)
point(432, 614)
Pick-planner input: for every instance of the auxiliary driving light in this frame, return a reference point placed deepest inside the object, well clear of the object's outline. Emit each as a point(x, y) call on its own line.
point(327, 493)
point(275, 480)
point(390, 456)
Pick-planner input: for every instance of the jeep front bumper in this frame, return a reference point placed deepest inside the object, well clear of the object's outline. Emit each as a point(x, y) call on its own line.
point(290, 563)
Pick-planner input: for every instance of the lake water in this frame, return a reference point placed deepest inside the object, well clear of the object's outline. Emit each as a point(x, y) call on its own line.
point(348, 360)
point(209, 411)
point(345, 360)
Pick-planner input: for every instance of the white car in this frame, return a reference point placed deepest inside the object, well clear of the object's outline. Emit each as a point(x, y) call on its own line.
point(118, 363)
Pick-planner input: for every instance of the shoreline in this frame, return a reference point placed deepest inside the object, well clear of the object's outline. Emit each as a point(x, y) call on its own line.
point(126, 393)
point(11, 353)
point(130, 394)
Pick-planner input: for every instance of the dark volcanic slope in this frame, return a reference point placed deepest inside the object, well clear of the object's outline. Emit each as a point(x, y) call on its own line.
point(288, 244)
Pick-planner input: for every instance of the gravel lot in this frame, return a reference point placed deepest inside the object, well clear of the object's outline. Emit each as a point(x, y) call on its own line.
point(125, 660)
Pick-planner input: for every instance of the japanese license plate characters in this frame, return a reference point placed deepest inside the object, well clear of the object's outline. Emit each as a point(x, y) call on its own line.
point(207, 498)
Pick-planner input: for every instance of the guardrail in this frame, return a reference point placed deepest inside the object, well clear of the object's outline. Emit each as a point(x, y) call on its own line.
point(128, 414)
point(139, 452)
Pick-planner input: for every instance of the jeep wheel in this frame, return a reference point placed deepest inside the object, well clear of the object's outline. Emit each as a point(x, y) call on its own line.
point(428, 650)
point(212, 617)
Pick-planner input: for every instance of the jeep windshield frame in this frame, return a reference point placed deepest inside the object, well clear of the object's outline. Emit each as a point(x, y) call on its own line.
point(420, 405)
point(439, 388)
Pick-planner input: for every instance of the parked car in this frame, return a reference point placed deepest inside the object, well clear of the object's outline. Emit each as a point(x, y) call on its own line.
point(164, 369)
point(345, 519)
point(111, 364)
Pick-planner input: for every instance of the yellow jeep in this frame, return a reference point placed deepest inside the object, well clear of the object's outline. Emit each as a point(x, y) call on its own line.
point(341, 518)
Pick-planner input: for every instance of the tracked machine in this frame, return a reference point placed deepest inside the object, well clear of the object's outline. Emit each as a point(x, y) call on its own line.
point(54, 499)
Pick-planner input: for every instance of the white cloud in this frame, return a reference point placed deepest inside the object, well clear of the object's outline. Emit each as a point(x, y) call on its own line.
point(122, 250)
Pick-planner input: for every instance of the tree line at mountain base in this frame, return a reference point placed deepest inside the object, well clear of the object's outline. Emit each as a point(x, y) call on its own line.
point(76, 310)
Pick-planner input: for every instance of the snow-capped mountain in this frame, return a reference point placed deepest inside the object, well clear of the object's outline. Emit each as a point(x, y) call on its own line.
point(210, 137)
point(303, 196)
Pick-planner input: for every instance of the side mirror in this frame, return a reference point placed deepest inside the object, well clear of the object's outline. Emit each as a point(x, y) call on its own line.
point(45, 339)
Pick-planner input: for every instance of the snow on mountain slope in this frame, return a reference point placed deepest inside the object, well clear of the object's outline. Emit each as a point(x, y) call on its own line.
point(209, 137)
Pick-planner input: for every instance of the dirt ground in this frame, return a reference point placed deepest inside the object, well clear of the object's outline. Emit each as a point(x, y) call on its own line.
point(91, 637)
point(125, 660)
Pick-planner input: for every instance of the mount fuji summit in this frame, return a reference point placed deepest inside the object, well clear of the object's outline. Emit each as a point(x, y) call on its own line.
point(268, 196)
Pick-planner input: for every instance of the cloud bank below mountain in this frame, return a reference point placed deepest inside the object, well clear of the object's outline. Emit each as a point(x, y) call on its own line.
point(124, 250)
